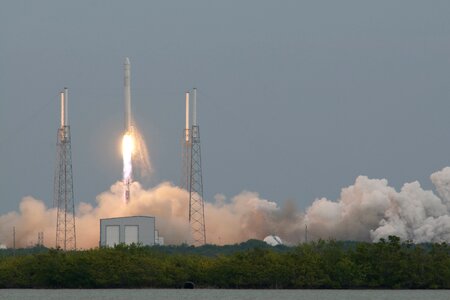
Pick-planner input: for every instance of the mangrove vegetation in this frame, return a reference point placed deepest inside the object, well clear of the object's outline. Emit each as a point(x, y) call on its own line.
point(322, 264)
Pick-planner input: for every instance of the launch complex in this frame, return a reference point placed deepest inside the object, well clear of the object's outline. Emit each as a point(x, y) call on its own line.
point(132, 143)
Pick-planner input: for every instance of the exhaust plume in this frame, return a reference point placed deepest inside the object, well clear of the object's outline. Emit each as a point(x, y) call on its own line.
point(134, 152)
point(366, 211)
point(141, 155)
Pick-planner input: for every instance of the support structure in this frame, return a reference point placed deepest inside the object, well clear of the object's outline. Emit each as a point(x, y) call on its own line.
point(63, 197)
point(196, 204)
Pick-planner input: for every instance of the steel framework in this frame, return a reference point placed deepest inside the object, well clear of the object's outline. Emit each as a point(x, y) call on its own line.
point(63, 196)
point(196, 205)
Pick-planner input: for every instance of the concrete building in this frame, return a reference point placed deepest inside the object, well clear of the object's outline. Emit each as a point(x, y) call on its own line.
point(128, 230)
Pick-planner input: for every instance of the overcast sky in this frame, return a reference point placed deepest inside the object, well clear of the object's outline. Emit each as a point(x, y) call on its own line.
point(296, 98)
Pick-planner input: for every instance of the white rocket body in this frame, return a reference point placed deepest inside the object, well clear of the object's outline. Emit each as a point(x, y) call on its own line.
point(127, 95)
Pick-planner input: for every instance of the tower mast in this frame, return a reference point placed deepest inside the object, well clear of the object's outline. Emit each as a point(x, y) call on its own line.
point(63, 197)
point(196, 204)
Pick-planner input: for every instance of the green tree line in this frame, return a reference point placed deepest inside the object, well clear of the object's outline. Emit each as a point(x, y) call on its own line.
point(322, 264)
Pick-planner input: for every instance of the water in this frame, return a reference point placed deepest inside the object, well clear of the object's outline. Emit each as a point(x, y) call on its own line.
point(160, 294)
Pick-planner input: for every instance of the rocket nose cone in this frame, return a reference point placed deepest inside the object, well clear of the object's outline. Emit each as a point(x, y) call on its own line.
point(127, 61)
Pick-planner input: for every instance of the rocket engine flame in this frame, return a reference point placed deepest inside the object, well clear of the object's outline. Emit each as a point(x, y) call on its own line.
point(128, 145)
point(127, 153)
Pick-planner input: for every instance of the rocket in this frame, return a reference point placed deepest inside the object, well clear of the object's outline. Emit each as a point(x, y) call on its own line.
point(128, 126)
point(127, 95)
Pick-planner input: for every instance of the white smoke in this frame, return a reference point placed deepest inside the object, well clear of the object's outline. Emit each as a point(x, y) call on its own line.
point(371, 210)
point(33, 217)
point(367, 210)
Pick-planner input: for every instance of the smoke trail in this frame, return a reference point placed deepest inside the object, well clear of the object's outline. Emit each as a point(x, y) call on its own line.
point(367, 210)
point(142, 156)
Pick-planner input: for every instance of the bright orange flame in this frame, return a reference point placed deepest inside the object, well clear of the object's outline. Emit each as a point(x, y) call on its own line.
point(128, 145)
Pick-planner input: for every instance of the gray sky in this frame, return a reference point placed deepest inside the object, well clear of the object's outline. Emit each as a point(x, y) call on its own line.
point(296, 98)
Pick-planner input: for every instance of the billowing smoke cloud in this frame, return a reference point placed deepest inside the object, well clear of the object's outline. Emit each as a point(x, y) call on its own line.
point(33, 217)
point(370, 210)
point(367, 210)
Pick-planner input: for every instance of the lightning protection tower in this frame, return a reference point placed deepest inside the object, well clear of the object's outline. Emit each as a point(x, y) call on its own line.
point(63, 196)
point(196, 205)
point(186, 150)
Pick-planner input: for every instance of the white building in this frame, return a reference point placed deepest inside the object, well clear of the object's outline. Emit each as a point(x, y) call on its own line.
point(129, 230)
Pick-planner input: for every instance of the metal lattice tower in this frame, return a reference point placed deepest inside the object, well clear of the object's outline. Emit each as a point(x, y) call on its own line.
point(196, 205)
point(63, 197)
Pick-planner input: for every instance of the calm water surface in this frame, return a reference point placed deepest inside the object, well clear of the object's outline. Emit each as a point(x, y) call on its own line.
point(158, 294)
